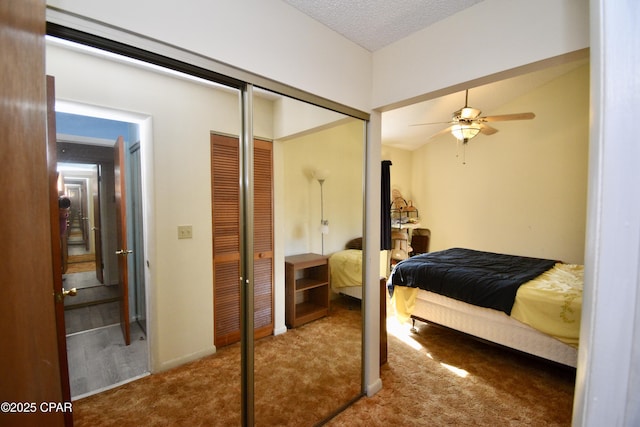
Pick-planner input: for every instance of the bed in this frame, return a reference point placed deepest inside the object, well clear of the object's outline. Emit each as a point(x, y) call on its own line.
point(345, 269)
point(529, 304)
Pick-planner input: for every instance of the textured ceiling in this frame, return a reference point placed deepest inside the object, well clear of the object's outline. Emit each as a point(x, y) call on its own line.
point(374, 24)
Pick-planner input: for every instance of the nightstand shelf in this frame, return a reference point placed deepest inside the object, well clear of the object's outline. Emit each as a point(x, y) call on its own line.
point(307, 288)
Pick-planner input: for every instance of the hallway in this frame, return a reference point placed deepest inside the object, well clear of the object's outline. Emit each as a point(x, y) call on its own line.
point(97, 356)
point(98, 359)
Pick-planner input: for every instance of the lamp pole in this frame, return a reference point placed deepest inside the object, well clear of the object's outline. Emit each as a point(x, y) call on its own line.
point(322, 222)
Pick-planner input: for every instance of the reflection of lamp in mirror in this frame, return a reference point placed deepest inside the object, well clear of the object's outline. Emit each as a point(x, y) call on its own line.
point(321, 175)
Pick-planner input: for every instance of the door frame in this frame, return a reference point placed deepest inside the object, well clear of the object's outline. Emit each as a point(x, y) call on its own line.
point(56, 248)
point(145, 126)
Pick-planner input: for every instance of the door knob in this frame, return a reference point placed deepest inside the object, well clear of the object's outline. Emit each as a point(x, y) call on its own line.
point(124, 252)
point(70, 293)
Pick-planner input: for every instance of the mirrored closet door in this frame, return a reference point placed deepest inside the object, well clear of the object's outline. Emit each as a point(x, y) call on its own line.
point(305, 182)
point(312, 366)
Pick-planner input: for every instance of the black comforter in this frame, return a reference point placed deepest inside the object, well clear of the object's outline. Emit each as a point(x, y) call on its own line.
point(481, 278)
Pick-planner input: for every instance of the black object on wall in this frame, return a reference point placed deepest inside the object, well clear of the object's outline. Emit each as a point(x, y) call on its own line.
point(385, 203)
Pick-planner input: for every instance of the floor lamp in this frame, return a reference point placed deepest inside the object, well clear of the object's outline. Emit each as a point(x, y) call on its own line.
point(321, 176)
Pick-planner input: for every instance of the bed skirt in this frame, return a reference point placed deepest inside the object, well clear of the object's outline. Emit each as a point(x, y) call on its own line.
point(491, 325)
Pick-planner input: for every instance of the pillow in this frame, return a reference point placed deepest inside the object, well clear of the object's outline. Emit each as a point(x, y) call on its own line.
point(354, 243)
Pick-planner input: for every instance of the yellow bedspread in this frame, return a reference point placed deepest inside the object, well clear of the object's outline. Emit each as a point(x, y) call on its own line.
point(345, 268)
point(550, 303)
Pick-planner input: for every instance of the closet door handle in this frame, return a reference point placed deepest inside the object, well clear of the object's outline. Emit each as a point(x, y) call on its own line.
point(124, 252)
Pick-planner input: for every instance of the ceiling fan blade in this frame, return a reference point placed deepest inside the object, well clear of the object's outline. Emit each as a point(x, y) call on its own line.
point(487, 130)
point(433, 123)
point(505, 117)
point(443, 131)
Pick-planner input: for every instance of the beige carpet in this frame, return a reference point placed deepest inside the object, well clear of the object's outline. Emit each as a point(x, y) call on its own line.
point(81, 263)
point(443, 378)
point(437, 378)
point(300, 378)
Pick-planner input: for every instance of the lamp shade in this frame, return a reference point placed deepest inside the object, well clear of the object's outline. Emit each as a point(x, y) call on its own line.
point(321, 174)
point(465, 131)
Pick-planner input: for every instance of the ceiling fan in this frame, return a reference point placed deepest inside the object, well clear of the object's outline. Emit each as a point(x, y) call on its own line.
point(467, 122)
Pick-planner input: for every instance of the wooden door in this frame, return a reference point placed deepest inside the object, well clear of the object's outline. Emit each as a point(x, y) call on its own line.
point(121, 229)
point(97, 225)
point(225, 175)
point(56, 246)
point(263, 238)
point(84, 212)
point(29, 362)
point(225, 206)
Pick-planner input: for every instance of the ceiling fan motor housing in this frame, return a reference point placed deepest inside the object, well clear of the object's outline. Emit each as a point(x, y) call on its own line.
point(466, 113)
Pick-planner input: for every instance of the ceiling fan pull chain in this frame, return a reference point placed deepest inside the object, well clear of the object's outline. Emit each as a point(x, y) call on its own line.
point(464, 151)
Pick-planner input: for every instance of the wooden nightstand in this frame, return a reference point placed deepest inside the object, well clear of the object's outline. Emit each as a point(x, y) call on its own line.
point(307, 288)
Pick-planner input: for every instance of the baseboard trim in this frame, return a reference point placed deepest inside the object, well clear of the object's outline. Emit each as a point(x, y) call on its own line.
point(100, 390)
point(280, 331)
point(169, 364)
point(372, 389)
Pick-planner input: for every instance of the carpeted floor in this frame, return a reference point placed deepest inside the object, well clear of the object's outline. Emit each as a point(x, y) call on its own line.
point(440, 377)
point(81, 267)
point(301, 377)
point(81, 263)
point(435, 378)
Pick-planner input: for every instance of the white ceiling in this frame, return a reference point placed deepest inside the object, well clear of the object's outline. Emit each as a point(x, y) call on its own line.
point(374, 24)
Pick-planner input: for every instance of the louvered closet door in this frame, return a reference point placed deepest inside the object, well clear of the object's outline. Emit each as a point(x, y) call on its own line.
point(225, 170)
point(263, 238)
point(225, 175)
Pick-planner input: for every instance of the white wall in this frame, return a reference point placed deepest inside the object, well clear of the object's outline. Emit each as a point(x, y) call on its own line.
point(522, 190)
point(607, 379)
point(183, 115)
point(268, 38)
point(488, 38)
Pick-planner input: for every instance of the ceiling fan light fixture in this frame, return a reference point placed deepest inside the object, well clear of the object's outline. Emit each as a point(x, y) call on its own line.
point(468, 113)
point(465, 131)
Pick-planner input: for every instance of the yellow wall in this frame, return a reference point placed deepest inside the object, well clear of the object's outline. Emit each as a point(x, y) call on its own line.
point(340, 150)
point(522, 190)
point(401, 170)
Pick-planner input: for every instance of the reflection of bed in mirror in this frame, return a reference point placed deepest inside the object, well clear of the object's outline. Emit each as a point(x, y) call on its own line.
point(345, 278)
point(345, 269)
point(528, 304)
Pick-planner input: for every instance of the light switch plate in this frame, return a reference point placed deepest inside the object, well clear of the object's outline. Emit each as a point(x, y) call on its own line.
point(185, 232)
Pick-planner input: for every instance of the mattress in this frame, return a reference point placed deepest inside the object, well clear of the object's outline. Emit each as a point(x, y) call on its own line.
point(544, 315)
point(490, 325)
